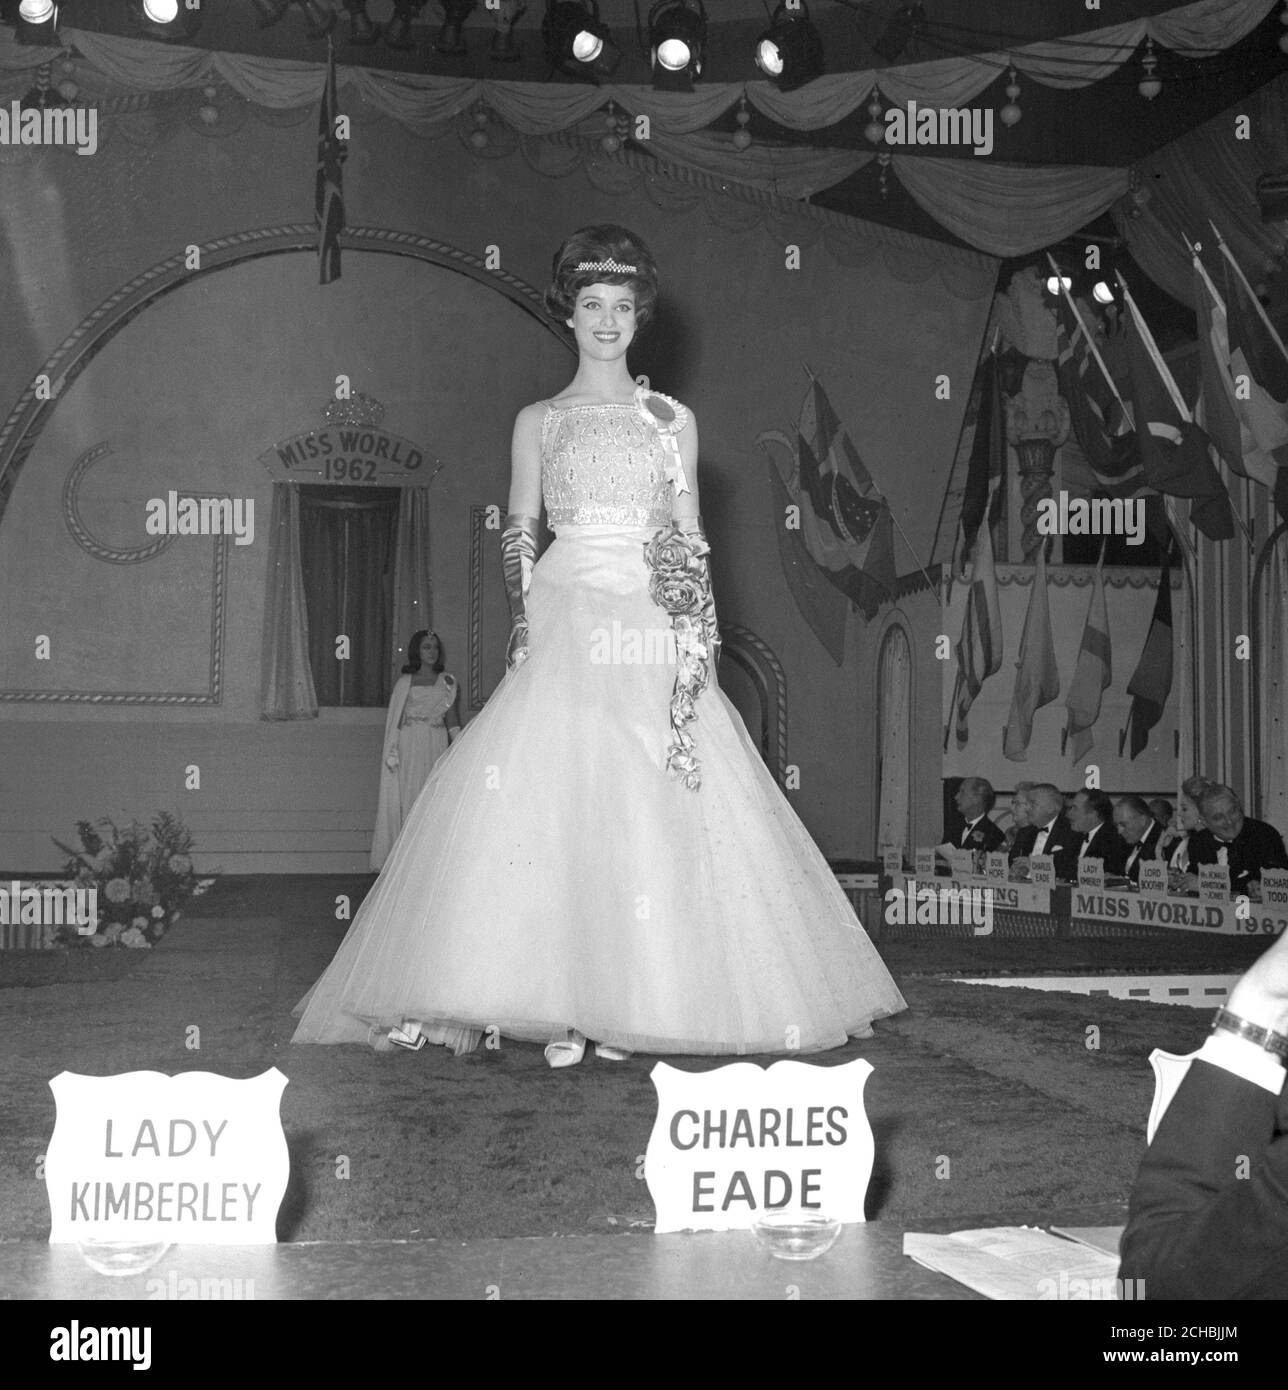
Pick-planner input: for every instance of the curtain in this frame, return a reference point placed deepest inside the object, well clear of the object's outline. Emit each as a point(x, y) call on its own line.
point(1209, 174)
point(894, 695)
point(413, 607)
point(347, 560)
point(1274, 691)
point(287, 682)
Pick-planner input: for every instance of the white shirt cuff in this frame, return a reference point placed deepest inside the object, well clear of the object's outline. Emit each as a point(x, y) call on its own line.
point(1245, 1059)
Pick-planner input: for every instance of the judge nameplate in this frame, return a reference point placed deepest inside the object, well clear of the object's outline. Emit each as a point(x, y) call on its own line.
point(731, 1144)
point(1153, 876)
point(891, 859)
point(1091, 872)
point(1274, 890)
point(1214, 883)
point(923, 861)
point(1042, 870)
point(194, 1159)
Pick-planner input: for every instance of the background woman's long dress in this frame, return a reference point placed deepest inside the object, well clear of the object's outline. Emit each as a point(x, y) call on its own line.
point(552, 875)
point(420, 738)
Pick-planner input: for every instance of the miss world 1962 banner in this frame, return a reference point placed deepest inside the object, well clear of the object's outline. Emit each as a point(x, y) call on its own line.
point(1187, 914)
point(350, 448)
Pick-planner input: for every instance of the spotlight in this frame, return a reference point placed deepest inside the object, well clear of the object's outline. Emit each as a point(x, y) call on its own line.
point(449, 36)
point(576, 42)
point(1054, 285)
point(168, 20)
point(678, 39)
point(790, 51)
point(270, 12)
point(362, 29)
point(1102, 292)
point(503, 48)
point(37, 22)
point(398, 30)
point(319, 19)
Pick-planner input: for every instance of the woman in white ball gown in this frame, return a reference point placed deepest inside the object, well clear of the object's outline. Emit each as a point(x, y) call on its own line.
point(603, 854)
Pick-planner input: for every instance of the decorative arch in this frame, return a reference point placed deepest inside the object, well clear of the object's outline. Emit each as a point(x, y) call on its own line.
point(754, 657)
point(34, 409)
point(895, 700)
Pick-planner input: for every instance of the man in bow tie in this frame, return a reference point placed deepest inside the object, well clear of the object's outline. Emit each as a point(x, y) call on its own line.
point(1244, 844)
point(1092, 818)
point(1139, 831)
point(974, 800)
point(1051, 833)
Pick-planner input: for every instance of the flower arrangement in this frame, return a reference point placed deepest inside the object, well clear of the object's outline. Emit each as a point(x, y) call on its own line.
point(680, 584)
point(143, 874)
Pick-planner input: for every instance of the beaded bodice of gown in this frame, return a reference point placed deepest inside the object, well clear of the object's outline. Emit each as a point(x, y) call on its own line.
point(603, 464)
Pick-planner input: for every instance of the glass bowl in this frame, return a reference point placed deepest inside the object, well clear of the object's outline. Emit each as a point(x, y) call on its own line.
point(796, 1235)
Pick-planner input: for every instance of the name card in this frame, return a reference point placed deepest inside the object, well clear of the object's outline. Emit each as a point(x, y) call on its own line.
point(1214, 883)
point(962, 862)
point(1091, 872)
point(1153, 876)
point(923, 861)
point(997, 866)
point(1042, 870)
point(731, 1144)
point(892, 859)
point(194, 1159)
point(1274, 888)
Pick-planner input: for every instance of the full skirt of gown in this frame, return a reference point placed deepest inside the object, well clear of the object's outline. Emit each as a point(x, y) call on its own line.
point(552, 875)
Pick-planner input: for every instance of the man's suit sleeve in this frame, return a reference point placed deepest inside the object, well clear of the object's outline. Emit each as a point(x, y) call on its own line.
point(1208, 1216)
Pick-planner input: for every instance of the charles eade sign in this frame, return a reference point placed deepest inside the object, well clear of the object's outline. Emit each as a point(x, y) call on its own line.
point(732, 1144)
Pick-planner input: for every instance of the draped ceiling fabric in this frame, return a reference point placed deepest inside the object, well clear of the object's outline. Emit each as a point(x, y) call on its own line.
point(1210, 174)
point(1002, 210)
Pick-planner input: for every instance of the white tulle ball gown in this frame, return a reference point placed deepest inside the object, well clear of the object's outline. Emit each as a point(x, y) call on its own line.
point(553, 875)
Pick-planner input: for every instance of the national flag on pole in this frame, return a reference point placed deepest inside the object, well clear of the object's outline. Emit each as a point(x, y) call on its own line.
point(1173, 449)
point(1037, 680)
point(1215, 410)
point(1100, 423)
point(979, 648)
point(329, 199)
point(845, 522)
point(987, 456)
point(1151, 683)
point(1257, 369)
point(823, 606)
point(1094, 672)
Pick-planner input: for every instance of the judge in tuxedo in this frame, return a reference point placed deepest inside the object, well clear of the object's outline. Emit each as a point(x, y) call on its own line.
point(1207, 1217)
point(1052, 833)
point(1139, 831)
point(1229, 837)
point(974, 800)
point(1092, 817)
point(1022, 831)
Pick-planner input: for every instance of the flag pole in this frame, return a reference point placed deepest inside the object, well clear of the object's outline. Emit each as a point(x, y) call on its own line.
point(1091, 342)
point(1238, 270)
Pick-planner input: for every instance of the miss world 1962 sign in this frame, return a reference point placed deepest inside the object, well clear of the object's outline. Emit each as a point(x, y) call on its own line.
point(350, 448)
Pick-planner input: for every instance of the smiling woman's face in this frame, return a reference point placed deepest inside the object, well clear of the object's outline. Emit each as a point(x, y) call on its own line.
point(428, 650)
point(604, 321)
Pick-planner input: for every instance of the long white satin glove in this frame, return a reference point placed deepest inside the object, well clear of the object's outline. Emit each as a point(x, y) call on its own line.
point(518, 555)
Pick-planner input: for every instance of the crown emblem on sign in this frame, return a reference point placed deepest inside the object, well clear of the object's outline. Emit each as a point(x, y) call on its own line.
point(358, 409)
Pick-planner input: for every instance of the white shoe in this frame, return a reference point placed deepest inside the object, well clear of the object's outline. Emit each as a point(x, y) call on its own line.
point(408, 1036)
point(612, 1054)
point(567, 1053)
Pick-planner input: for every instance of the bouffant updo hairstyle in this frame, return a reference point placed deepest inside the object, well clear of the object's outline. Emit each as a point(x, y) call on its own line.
point(597, 244)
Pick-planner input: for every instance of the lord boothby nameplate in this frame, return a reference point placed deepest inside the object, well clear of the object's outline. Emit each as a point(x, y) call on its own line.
point(731, 1144)
point(194, 1159)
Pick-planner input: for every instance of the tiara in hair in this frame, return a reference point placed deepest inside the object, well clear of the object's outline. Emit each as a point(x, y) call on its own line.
point(613, 267)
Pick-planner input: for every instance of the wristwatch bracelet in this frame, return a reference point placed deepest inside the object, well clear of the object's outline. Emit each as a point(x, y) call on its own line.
point(1274, 1043)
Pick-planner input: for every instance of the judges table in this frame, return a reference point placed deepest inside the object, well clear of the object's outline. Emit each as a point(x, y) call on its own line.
point(867, 1262)
point(1023, 910)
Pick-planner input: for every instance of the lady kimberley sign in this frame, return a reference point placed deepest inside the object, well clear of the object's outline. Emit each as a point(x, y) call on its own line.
point(732, 1144)
point(195, 1159)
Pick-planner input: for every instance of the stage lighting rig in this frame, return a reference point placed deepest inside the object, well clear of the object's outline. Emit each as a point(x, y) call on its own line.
point(790, 52)
point(168, 20)
point(449, 38)
point(36, 22)
point(363, 30)
point(677, 31)
point(575, 40)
